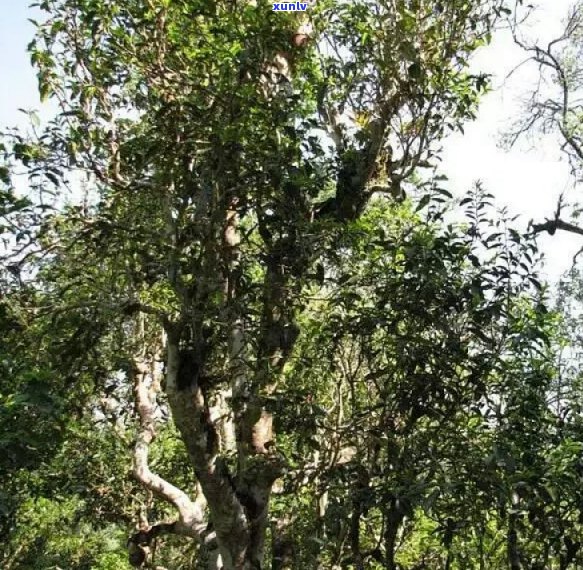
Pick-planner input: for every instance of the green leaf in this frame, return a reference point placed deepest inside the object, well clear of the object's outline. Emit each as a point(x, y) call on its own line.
point(423, 202)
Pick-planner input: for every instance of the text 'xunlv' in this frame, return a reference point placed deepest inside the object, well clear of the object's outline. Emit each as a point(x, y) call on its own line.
point(290, 6)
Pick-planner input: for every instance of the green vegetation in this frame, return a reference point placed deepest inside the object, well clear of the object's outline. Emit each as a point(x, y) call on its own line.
point(243, 328)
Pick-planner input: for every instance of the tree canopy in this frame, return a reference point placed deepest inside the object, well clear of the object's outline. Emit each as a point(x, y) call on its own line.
point(244, 329)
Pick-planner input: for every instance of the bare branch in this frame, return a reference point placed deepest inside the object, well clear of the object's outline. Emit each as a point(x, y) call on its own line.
point(562, 112)
point(551, 226)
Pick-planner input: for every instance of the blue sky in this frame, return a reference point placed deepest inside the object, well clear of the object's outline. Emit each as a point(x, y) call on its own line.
point(528, 179)
point(19, 86)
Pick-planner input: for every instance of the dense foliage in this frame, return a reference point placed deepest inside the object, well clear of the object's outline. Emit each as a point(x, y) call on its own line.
point(243, 329)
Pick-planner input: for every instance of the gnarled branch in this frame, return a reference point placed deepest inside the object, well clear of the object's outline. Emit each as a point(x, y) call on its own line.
point(191, 520)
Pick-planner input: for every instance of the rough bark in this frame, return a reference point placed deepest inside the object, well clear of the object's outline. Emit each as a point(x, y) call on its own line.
point(208, 558)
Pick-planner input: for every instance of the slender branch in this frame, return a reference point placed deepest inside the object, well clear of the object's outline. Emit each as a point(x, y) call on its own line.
point(553, 112)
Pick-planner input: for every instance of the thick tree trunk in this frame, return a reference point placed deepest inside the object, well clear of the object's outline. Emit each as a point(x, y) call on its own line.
point(238, 504)
point(208, 558)
point(191, 415)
